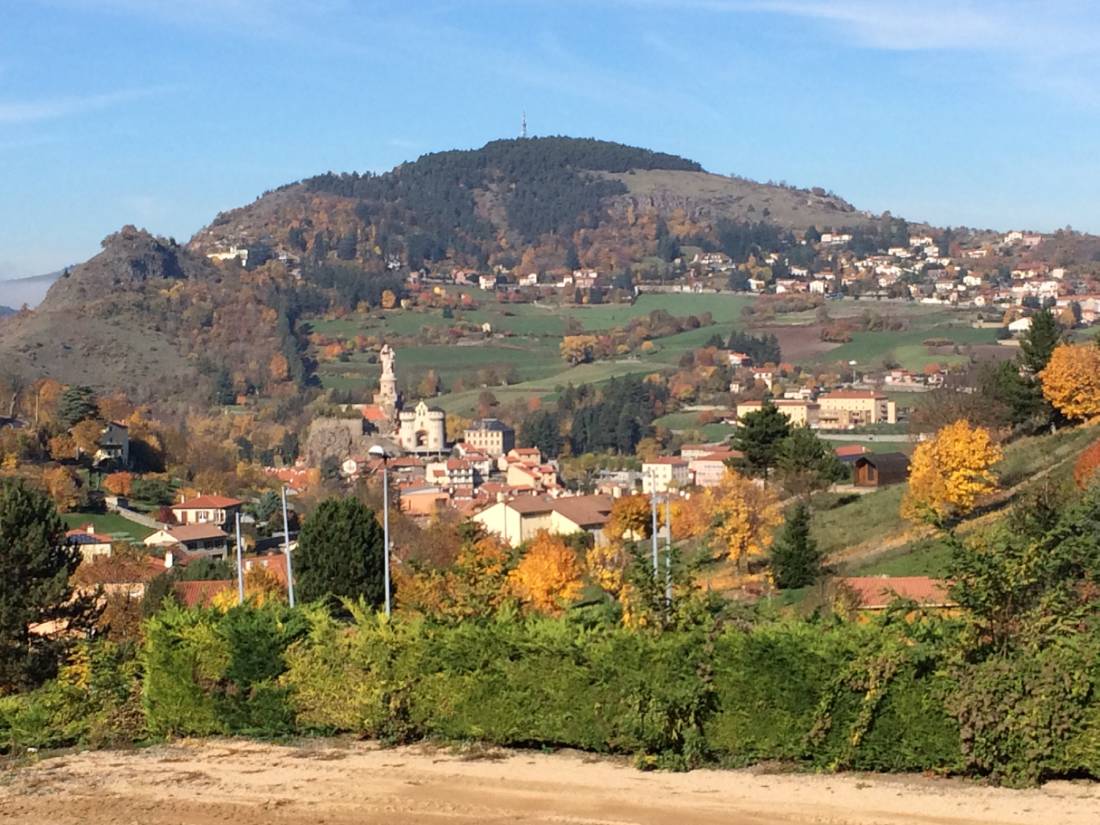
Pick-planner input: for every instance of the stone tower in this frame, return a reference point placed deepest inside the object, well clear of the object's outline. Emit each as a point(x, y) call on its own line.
point(387, 397)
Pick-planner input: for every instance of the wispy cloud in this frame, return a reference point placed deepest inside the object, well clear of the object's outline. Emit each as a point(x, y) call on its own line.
point(33, 111)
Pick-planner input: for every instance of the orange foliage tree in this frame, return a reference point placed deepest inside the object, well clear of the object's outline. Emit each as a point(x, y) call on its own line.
point(950, 472)
point(61, 485)
point(548, 578)
point(743, 516)
point(1084, 471)
point(476, 585)
point(1071, 380)
point(121, 484)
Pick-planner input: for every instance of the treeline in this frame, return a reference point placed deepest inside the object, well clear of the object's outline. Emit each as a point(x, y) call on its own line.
point(428, 207)
point(613, 418)
point(763, 349)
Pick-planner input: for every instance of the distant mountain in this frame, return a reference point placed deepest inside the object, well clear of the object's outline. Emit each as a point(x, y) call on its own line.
point(537, 202)
point(6, 311)
point(15, 292)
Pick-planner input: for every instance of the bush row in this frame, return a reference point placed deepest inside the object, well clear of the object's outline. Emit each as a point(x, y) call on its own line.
point(823, 695)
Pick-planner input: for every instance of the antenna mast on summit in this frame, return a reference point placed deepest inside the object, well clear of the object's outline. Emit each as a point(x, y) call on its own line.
point(523, 125)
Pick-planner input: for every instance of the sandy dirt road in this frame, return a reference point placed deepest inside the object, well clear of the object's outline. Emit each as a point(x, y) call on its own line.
point(340, 783)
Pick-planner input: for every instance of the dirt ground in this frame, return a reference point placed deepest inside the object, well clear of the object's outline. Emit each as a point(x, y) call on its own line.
point(339, 783)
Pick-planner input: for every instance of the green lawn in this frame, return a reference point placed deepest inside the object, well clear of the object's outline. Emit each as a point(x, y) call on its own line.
point(906, 347)
point(864, 518)
point(926, 557)
point(110, 524)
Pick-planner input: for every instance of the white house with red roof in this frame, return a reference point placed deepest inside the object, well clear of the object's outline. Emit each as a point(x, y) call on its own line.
point(665, 473)
point(91, 544)
point(218, 510)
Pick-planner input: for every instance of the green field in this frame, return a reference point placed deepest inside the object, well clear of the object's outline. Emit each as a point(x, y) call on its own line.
point(110, 524)
point(526, 345)
point(906, 347)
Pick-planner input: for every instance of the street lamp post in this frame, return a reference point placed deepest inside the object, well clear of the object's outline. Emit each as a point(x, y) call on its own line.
point(286, 552)
point(653, 527)
point(378, 452)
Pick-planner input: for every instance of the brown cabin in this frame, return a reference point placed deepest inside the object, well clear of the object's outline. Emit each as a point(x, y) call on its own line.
point(881, 469)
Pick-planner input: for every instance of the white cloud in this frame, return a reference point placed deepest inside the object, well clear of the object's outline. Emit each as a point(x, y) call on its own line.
point(32, 111)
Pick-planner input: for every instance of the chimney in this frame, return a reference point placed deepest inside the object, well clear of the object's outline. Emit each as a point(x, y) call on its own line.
point(168, 559)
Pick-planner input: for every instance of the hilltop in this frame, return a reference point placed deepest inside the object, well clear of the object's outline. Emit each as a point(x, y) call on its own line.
point(147, 316)
point(535, 202)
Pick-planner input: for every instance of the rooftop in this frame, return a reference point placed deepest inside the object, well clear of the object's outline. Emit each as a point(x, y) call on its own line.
point(207, 503)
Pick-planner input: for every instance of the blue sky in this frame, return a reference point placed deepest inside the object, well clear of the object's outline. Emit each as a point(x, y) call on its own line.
point(163, 112)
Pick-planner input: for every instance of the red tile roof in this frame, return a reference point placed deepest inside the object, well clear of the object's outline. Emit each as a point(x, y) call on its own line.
point(201, 593)
point(195, 532)
point(876, 592)
point(207, 503)
point(850, 450)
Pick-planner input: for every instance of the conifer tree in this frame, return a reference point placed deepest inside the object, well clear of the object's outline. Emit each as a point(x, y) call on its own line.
point(35, 566)
point(758, 437)
point(340, 553)
point(796, 559)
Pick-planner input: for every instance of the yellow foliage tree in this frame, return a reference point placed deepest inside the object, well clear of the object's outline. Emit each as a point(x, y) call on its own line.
point(950, 472)
point(690, 517)
point(578, 349)
point(606, 565)
point(260, 587)
point(475, 585)
point(278, 367)
point(743, 515)
point(548, 578)
point(86, 436)
point(389, 299)
point(1071, 380)
point(631, 519)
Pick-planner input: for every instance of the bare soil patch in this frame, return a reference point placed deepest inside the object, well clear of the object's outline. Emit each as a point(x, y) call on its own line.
point(339, 783)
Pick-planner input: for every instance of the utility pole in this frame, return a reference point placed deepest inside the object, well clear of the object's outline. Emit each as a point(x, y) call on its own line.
point(653, 528)
point(286, 552)
point(668, 549)
point(377, 451)
point(240, 563)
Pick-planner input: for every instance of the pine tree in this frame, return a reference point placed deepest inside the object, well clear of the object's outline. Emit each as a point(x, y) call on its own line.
point(35, 566)
point(340, 554)
point(77, 404)
point(806, 463)
point(796, 559)
point(758, 437)
point(1039, 343)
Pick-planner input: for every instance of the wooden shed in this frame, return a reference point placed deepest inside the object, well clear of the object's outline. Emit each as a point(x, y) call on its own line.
point(881, 469)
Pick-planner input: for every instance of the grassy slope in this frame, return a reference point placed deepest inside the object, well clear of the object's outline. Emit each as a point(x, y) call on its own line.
point(875, 517)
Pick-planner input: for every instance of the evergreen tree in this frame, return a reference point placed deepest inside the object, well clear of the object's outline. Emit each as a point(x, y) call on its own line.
point(77, 403)
point(572, 260)
point(223, 388)
point(796, 559)
point(340, 554)
point(1019, 396)
point(758, 437)
point(540, 429)
point(1039, 342)
point(35, 566)
point(806, 464)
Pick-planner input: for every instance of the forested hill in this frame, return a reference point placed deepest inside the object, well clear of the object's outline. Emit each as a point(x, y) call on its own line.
point(535, 203)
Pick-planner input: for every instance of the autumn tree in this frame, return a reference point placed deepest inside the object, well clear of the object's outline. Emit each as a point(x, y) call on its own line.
point(430, 385)
point(950, 472)
point(631, 519)
point(86, 436)
point(1084, 470)
point(743, 515)
point(578, 349)
point(606, 565)
point(35, 567)
point(62, 487)
point(476, 585)
point(548, 577)
point(1071, 381)
point(758, 437)
point(120, 484)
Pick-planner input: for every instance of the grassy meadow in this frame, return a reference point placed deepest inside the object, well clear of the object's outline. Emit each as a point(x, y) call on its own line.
point(527, 338)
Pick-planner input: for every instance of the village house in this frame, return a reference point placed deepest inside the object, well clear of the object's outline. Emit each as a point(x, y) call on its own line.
point(90, 543)
point(665, 473)
point(114, 445)
point(708, 470)
point(490, 436)
point(800, 412)
point(876, 593)
point(424, 500)
point(843, 409)
point(217, 510)
point(521, 518)
point(192, 540)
